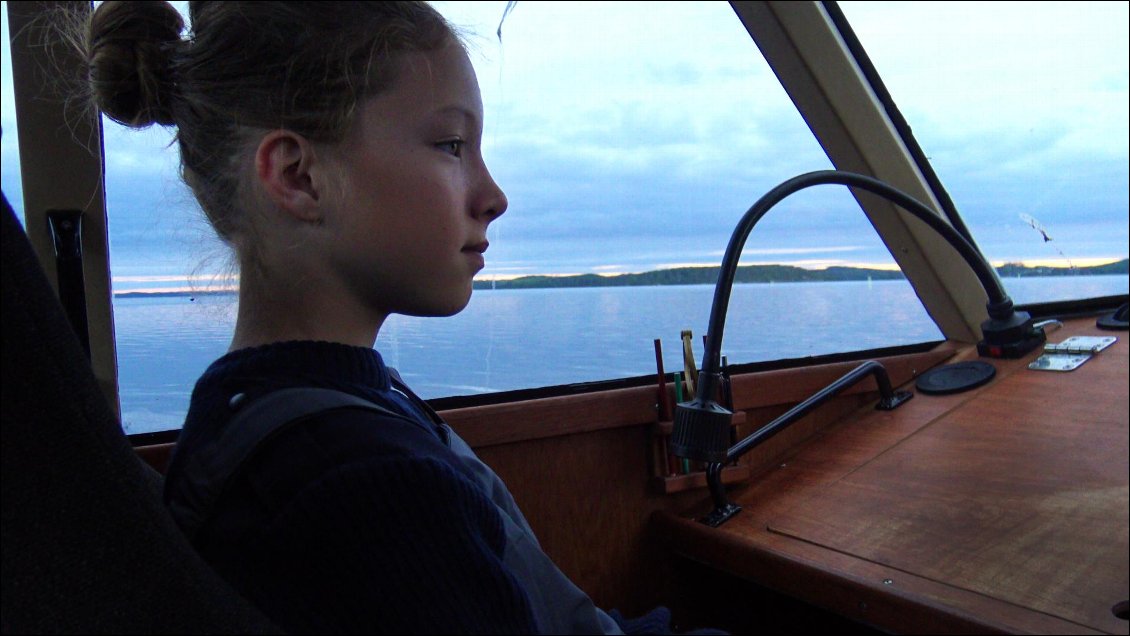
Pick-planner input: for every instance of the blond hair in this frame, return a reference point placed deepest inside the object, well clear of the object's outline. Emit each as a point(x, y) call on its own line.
point(244, 68)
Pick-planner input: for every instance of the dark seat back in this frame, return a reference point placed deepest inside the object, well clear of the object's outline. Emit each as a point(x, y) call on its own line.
point(88, 545)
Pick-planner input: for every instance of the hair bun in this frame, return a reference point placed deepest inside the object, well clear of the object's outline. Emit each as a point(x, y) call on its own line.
point(130, 49)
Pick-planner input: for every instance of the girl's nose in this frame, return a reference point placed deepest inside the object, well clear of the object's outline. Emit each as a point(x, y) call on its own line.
point(494, 201)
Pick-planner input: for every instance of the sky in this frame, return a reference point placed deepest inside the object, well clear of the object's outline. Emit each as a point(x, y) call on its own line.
point(631, 137)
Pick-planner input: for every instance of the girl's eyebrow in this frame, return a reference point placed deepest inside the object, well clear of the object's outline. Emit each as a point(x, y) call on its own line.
point(457, 109)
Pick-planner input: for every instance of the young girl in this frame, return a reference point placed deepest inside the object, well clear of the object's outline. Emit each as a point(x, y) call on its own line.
point(336, 146)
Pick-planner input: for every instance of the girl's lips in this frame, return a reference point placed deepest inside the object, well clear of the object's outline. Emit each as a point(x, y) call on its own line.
point(475, 252)
point(476, 258)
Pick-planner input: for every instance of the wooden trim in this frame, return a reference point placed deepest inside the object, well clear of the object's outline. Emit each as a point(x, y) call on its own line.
point(791, 386)
point(568, 415)
point(553, 417)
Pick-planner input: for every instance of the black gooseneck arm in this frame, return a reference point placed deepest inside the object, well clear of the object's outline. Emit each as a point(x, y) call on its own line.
point(702, 426)
point(1000, 305)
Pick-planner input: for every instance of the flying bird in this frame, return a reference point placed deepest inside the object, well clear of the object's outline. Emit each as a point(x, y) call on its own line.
point(1036, 226)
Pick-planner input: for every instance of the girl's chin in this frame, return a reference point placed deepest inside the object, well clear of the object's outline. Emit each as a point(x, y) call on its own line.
point(441, 307)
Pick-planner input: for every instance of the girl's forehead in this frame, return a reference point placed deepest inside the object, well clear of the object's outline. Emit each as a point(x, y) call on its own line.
point(430, 88)
point(429, 81)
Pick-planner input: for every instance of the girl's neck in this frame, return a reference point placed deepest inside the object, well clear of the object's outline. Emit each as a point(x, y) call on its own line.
point(297, 311)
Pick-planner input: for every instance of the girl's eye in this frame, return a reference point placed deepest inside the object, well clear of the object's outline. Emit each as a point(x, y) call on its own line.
point(453, 147)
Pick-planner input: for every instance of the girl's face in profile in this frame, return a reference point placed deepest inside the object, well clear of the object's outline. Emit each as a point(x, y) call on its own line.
point(417, 196)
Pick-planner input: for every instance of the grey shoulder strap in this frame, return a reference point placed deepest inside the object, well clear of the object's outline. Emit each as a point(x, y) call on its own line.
point(211, 467)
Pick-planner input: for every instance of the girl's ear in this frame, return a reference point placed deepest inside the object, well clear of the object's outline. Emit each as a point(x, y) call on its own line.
point(283, 165)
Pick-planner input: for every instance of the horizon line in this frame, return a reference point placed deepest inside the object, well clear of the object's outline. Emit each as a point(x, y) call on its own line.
point(821, 265)
point(213, 289)
point(617, 270)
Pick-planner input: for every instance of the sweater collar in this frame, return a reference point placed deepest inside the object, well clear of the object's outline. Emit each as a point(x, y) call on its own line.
point(320, 362)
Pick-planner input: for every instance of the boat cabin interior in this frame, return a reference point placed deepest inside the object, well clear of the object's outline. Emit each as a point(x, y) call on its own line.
point(950, 486)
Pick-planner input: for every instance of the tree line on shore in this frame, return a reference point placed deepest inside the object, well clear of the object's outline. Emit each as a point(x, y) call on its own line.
point(768, 274)
point(709, 276)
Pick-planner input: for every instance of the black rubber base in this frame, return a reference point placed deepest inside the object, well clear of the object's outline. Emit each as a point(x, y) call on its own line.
point(955, 378)
point(1116, 320)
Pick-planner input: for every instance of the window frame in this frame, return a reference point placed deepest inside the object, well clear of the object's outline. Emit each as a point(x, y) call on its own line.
point(59, 144)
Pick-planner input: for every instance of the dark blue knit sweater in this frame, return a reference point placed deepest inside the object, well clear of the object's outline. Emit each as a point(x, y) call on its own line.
point(353, 521)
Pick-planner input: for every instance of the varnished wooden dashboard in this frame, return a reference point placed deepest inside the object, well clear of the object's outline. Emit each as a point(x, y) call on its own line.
point(1000, 509)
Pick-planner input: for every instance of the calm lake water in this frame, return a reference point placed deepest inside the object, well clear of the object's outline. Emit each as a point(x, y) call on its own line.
point(515, 339)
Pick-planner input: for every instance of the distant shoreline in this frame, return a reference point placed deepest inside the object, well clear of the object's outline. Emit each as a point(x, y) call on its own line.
point(703, 276)
point(771, 274)
point(177, 293)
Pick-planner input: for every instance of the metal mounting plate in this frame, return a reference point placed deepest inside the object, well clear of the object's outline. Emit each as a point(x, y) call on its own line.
point(1071, 353)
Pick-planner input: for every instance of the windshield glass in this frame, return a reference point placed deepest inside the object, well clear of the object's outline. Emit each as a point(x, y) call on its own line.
point(629, 138)
point(1022, 111)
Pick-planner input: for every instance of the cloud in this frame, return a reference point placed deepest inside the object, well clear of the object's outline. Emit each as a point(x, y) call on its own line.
point(629, 136)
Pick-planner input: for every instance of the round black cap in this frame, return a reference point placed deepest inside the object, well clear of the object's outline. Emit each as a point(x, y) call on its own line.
point(955, 378)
